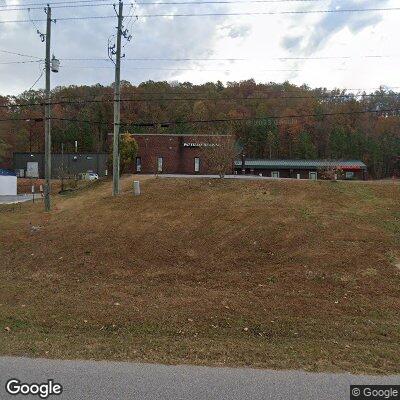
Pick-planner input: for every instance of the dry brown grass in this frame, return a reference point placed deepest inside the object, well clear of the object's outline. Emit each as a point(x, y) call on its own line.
point(262, 273)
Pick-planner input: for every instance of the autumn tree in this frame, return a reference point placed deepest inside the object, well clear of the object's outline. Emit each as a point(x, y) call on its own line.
point(3, 149)
point(128, 148)
point(219, 154)
point(261, 115)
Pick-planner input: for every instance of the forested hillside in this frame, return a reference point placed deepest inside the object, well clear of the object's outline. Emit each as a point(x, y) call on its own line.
point(271, 120)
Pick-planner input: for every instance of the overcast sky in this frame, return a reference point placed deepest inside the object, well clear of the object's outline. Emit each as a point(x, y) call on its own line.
point(259, 40)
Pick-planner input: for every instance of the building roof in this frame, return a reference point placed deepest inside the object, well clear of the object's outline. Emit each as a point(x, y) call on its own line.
point(302, 164)
point(7, 172)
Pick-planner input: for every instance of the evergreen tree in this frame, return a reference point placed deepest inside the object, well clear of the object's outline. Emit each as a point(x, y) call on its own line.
point(305, 148)
point(338, 143)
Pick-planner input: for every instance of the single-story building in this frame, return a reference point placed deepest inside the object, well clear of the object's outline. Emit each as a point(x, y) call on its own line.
point(8, 183)
point(173, 153)
point(302, 169)
point(31, 165)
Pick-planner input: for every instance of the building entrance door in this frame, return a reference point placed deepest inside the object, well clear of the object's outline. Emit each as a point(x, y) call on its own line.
point(313, 176)
point(159, 164)
point(275, 174)
point(197, 164)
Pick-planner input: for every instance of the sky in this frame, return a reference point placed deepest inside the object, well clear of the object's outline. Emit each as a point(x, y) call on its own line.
point(208, 44)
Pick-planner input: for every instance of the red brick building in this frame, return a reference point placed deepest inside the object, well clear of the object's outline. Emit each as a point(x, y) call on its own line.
point(186, 154)
point(173, 153)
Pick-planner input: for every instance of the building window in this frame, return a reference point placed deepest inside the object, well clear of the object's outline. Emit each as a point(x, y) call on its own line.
point(159, 164)
point(275, 174)
point(138, 164)
point(349, 174)
point(196, 164)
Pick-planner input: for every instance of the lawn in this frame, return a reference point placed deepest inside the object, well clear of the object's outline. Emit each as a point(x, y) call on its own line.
point(276, 274)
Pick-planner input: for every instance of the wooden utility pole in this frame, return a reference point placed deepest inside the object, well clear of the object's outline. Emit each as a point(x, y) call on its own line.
point(117, 104)
point(47, 126)
point(62, 167)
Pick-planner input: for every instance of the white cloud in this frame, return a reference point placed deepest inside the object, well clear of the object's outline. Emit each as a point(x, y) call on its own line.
point(316, 36)
point(236, 31)
point(262, 40)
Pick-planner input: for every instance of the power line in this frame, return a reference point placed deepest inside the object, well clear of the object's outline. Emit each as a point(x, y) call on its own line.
point(243, 119)
point(19, 62)
point(189, 69)
point(37, 80)
point(55, 7)
point(85, 101)
point(43, 4)
point(201, 93)
point(219, 120)
point(60, 19)
point(80, 3)
point(373, 56)
point(18, 54)
point(266, 13)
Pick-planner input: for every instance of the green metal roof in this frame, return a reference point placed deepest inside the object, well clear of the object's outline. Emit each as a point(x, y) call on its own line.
point(301, 164)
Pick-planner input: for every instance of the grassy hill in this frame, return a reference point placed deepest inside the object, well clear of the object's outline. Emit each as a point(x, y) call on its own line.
point(279, 274)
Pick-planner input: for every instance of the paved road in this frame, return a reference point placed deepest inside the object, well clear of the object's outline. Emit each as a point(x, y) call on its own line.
point(21, 198)
point(119, 381)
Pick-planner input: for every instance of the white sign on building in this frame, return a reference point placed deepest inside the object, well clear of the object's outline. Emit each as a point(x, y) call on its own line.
point(8, 185)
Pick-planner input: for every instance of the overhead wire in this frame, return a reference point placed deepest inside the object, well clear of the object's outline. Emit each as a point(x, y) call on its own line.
point(18, 54)
point(256, 13)
point(158, 3)
point(19, 62)
point(111, 100)
point(37, 80)
point(219, 120)
point(291, 58)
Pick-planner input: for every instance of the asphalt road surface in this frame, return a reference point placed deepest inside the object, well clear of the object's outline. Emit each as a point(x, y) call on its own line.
point(118, 381)
point(21, 198)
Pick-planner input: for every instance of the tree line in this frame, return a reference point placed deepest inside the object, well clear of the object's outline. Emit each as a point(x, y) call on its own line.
point(269, 120)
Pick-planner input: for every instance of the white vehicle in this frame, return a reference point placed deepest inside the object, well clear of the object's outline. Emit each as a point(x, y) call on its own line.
point(91, 176)
point(88, 176)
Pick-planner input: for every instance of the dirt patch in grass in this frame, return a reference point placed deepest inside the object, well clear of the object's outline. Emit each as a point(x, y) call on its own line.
point(220, 272)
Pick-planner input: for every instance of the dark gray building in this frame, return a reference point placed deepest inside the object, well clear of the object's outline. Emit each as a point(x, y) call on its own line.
point(31, 165)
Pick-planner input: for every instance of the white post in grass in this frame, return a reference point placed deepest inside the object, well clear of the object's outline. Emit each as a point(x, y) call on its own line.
point(136, 188)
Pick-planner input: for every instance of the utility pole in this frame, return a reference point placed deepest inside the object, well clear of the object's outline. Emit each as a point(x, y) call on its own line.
point(117, 103)
point(47, 126)
point(62, 167)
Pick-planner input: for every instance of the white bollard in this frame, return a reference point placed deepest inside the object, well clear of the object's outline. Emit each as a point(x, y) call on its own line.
point(136, 188)
point(298, 176)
